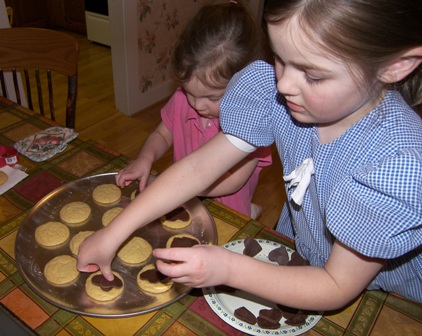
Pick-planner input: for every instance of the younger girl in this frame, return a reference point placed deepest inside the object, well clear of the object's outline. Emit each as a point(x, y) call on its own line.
point(351, 149)
point(218, 42)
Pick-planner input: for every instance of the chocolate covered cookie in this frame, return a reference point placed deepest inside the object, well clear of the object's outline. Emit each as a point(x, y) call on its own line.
point(182, 240)
point(150, 280)
point(100, 289)
point(179, 218)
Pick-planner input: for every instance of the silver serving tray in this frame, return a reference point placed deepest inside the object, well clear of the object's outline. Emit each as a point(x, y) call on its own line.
point(31, 258)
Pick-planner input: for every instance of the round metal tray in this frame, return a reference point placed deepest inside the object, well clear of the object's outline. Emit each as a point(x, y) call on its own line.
point(31, 258)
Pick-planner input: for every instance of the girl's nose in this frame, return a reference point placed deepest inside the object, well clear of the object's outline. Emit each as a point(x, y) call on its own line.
point(287, 83)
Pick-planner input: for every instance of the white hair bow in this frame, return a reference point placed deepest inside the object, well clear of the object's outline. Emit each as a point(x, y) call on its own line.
point(300, 178)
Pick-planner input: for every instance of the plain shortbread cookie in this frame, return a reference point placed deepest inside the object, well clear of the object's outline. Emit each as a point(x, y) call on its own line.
point(109, 215)
point(75, 213)
point(98, 294)
point(51, 234)
point(61, 270)
point(135, 251)
point(106, 194)
point(77, 240)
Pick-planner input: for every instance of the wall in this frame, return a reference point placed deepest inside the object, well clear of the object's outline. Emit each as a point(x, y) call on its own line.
point(143, 33)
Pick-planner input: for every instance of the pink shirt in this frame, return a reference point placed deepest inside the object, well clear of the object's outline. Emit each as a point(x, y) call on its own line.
point(188, 135)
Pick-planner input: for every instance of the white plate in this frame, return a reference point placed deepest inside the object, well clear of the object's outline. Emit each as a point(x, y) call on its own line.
point(224, 304)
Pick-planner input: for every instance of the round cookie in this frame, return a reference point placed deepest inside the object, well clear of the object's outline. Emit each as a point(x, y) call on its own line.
point(77, 240)
point(182, 240)
point(135, 251)
point(159, 284)
point(75, 213)
point(106, 194)
point(61, 270)
point(51, 234)
point(94, 287)
point(3, 177)
point(179, 218)
point(109, 215)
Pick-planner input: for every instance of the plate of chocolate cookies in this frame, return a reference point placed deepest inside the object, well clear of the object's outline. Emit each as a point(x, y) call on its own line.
point(48, 240)
point(252, 314)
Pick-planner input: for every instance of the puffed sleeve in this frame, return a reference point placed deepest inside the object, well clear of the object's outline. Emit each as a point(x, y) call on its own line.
point(247, 106)
point(384, 207)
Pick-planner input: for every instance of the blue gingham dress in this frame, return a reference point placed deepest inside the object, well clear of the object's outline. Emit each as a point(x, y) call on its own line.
point(367, 187)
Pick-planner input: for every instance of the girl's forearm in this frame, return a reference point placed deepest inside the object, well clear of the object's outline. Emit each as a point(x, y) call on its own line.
point(345, 275)
point(154, 147)
point(178, 184)
point(302, 287)
point(233, 180)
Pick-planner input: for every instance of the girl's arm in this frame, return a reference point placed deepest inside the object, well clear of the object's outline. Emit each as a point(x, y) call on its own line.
point(233, 180)
point(154, 147)
point(179, 183)
point(345, 275)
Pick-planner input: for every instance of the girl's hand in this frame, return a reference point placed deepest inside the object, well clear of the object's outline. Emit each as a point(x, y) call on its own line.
point(97, 252)
point(198, 266)
point(139, 169)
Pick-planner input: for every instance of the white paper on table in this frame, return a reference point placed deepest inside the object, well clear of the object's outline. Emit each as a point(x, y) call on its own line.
point(14, 176)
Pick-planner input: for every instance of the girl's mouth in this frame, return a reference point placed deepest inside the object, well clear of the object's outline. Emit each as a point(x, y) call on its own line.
point(294, 107)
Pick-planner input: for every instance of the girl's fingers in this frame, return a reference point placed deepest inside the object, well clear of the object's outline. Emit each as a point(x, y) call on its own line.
point(88, 268)
point(172, 270)
point(173, 254)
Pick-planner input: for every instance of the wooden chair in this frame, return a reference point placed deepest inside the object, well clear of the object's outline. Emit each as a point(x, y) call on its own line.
point(40, 50)
point(9, 11)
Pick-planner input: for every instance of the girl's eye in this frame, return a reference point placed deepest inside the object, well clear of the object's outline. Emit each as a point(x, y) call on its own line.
point(214, 99)
point(312, 80)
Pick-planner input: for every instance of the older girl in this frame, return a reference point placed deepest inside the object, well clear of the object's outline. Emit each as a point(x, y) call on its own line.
point(337, 107)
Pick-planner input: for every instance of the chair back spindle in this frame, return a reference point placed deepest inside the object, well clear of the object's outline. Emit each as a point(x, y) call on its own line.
point(44, 51)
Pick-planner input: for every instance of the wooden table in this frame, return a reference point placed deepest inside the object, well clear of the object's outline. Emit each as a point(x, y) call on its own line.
point(374, 312)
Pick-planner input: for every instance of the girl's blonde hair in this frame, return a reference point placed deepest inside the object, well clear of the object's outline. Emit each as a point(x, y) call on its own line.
point(219, 41)
point(368, 33)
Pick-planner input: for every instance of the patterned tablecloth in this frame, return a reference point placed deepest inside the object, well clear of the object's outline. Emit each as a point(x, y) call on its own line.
point(373, 312)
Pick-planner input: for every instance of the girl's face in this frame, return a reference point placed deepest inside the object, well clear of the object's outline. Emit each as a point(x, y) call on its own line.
point(205, 100)
point(318, 87)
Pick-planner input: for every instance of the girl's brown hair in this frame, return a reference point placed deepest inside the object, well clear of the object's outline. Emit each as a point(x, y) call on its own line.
point(219, 41)
point(368, 33)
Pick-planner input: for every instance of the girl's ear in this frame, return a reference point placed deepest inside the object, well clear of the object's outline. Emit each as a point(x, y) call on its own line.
point(401, 66)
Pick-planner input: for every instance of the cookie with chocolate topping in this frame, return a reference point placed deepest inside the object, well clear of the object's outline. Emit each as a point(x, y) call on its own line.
point(179, 218)
point(182, 240)
point(151, 280)
point(100, 289)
